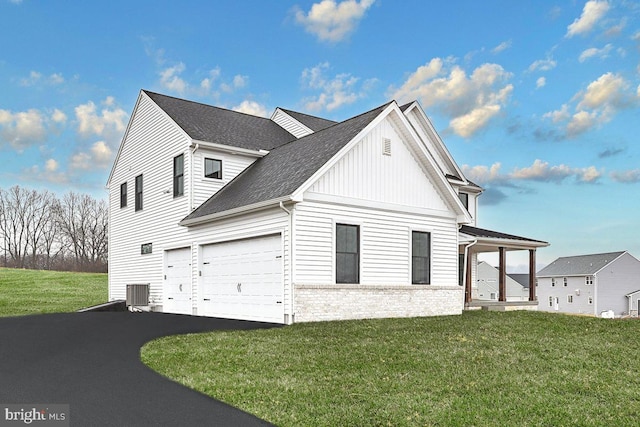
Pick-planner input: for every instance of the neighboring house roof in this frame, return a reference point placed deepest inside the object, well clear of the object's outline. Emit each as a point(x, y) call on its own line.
point(580, 265)
point(217, 125)
point(521, 278)
point(281, 172)
point(481, 232)
point(312, 122)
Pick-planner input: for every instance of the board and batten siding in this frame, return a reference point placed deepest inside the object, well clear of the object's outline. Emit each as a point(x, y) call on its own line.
point(366, 173)
point(151, 143)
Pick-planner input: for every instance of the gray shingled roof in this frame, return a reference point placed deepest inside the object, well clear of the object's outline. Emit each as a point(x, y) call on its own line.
point(281, 172)
point(213, 124)
point(481, 232)
point(312, 122)
point(578, 265)
point(521, 278)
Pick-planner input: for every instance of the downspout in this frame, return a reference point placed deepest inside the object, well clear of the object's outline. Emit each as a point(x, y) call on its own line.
point(291, 263)
point(193, 151)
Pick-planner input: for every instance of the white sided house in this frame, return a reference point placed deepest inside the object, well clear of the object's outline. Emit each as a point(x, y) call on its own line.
point(292, 218)
point(591, 284)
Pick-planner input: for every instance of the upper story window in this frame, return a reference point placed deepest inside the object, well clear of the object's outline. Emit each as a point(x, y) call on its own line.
point(213, 168)
point(347, 253)
point(564, 282)
point(139, 193)
point(420, 257)
point(178, 175)
point(588, 280)
point(464, 198)
point(553, 282)
point(123, 195)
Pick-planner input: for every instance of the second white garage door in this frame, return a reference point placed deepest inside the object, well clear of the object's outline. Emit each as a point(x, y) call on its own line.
point(242, 279)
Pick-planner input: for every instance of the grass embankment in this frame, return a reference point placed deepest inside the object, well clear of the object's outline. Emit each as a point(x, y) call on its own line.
point(34, 292)
point(480, 369)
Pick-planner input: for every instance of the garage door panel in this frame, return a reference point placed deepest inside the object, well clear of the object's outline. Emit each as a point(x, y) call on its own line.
point(177, 282)
point(243, 279)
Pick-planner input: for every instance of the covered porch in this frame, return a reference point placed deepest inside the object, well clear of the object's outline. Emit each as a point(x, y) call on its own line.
point(473, 241)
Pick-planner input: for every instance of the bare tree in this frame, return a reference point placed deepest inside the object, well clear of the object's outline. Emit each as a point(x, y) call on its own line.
point(82, 222)
point(14, 224)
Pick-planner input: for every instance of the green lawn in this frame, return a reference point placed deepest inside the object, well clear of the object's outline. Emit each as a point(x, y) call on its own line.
point(34, 292)
point(478, 369)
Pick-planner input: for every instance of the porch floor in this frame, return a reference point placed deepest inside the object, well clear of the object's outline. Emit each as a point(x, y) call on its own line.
point(501, 305)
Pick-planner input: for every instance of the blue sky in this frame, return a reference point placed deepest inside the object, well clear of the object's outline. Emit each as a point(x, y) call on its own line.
point(538, 101)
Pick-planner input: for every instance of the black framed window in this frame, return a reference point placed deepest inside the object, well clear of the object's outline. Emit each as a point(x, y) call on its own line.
point(464, 198)
point(420, 257)
point(139, 193)
point(347, 253)
point(213, 168)
point(123, 195)
point(178, 175)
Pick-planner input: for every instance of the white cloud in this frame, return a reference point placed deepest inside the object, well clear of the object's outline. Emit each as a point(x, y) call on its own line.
point(539, 171)
point(502, 47)
point(58, 117)
point(251, 107)
point(592, 12)
point(591, 52)
point(608, 91)
point(341, 89)
point(541, 82)
point(543, 65)
point(207, 83)
point(51, 165)
point(170, 79)
point(22, 129)
point(470, 101)
point(107, 121)
point(598, 104)
point(99, 156)
point(35, 77)
point(332, 21)
point(626, 177)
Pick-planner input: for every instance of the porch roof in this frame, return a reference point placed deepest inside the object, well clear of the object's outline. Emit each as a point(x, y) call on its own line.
point(489, 241)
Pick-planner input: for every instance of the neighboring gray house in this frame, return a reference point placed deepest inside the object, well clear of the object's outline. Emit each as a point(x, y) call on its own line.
point(487, 285)
point(590, 284)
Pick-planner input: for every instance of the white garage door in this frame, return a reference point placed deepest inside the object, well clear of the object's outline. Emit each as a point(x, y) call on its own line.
point(243, 280)
point(177, 282)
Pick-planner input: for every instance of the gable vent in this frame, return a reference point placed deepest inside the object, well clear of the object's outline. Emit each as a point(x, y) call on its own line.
point(386, 146)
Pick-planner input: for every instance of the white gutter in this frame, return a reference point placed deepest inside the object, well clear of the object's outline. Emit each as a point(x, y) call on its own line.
point(291, 261)
point(229, 149)
point(234, 211)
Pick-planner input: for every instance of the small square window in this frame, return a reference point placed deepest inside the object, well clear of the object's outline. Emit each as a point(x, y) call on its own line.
point(213, 168)
point(146, 248)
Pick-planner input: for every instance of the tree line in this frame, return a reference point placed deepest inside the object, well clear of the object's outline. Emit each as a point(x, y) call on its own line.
point(39, 230)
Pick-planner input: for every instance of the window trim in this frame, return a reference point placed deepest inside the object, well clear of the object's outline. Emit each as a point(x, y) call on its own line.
point(429, 257)
point(139, 193)
point(124, 196)
point(358, 252)
point(205, 168)
point(178, 177)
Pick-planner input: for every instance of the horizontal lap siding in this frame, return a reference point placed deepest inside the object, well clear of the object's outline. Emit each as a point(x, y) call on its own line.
point(151, 143)
point(385, 244)
point(232, 165)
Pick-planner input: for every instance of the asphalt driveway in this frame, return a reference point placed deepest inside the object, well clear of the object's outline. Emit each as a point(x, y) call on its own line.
point(91, 362)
